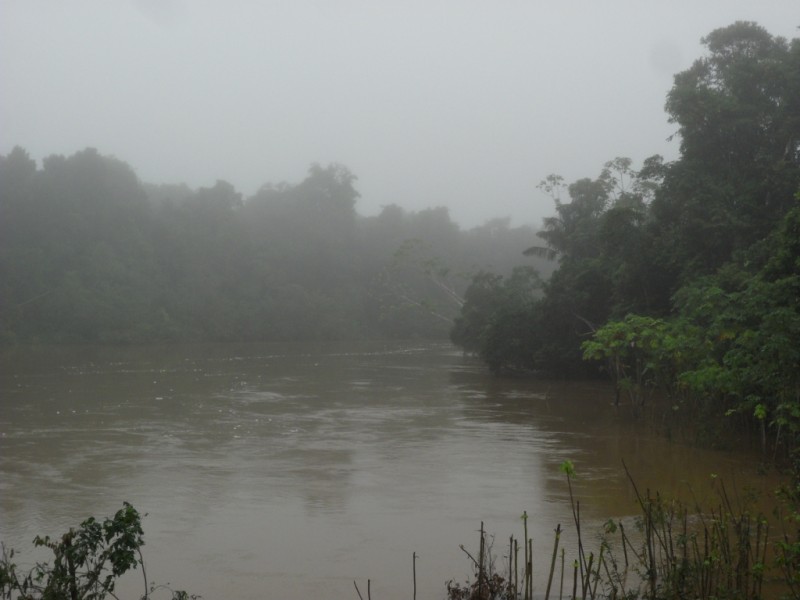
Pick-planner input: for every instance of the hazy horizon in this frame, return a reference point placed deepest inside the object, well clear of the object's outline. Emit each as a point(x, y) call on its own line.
point(464, 105)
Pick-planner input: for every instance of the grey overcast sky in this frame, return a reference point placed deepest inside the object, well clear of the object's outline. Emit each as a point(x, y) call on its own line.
point(461, 103)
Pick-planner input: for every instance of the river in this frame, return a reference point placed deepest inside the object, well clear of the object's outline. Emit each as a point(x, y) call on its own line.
point(289, 471)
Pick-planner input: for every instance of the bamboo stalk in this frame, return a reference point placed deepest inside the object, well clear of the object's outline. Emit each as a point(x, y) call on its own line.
point(525, 544)
point(600, 561)
point(586, 581)
point(516, 568)
point(763, 556)
point(613, 580)
point(529, 568)
point(510, 560)
point(480, 563)
point(574, 579)
point(624, 545)
point(553, 561)
point(414, 571)
point(581, 554)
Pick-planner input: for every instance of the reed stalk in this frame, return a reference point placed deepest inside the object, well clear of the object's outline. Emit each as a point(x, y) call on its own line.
point(586, 581)
point(527, 558)
point(553, 561)
point(481, 558)
point(516, 568)
point(529, 568)
point(414, 572)
point(574, 579)
point(720, 553)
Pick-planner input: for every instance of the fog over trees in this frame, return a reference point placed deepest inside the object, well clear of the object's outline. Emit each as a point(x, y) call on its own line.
point(680, 277)
point(635, 240)
point(91, 254)
point(674, 279)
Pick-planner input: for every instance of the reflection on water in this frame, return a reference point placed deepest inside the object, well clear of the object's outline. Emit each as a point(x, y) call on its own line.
point(292, 470)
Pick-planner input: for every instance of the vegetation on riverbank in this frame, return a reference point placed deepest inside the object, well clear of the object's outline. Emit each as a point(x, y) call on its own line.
point(681, 278)
point(87, 563)
point(90, 254)
point(670, 549)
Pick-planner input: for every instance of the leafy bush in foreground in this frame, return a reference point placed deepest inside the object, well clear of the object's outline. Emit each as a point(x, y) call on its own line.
point(87, 562)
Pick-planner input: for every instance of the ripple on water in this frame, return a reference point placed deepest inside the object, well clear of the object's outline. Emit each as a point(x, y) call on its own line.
point(300, 468)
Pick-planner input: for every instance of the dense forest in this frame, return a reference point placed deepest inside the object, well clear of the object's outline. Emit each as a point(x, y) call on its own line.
point(88, 254)
point(682, 277)
point(679, 276)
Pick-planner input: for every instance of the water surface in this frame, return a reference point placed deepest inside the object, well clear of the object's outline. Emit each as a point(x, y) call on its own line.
point(291, 470)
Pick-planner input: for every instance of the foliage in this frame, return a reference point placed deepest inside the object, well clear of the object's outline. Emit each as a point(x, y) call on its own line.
point(494, 319)
point(733, 344)
point(697, 552)
point(669, 549)
point(88, 253)
point(683, 277)
point(588, 286)
point(739, 121)
point(752, 329)
point(643, 354)
point(87, 562)
point(488, 584)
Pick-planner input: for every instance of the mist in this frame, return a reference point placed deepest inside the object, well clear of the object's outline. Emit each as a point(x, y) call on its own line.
point(463, 105)
point(367, 275)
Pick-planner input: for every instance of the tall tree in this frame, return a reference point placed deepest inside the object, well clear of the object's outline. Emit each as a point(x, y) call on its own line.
point(738, 116)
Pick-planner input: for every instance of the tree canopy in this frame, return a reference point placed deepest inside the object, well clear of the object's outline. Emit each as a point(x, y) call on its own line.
point(88, 253)
point(679, 276)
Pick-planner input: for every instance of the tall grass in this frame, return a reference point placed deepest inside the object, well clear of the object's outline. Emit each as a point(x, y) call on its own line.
point(672, 551)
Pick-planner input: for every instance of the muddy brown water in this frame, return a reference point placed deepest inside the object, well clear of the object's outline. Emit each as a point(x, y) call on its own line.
point(289, 471)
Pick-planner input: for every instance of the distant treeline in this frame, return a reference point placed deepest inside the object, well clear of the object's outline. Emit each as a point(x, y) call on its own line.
point(88, 253)
point(681, 277)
